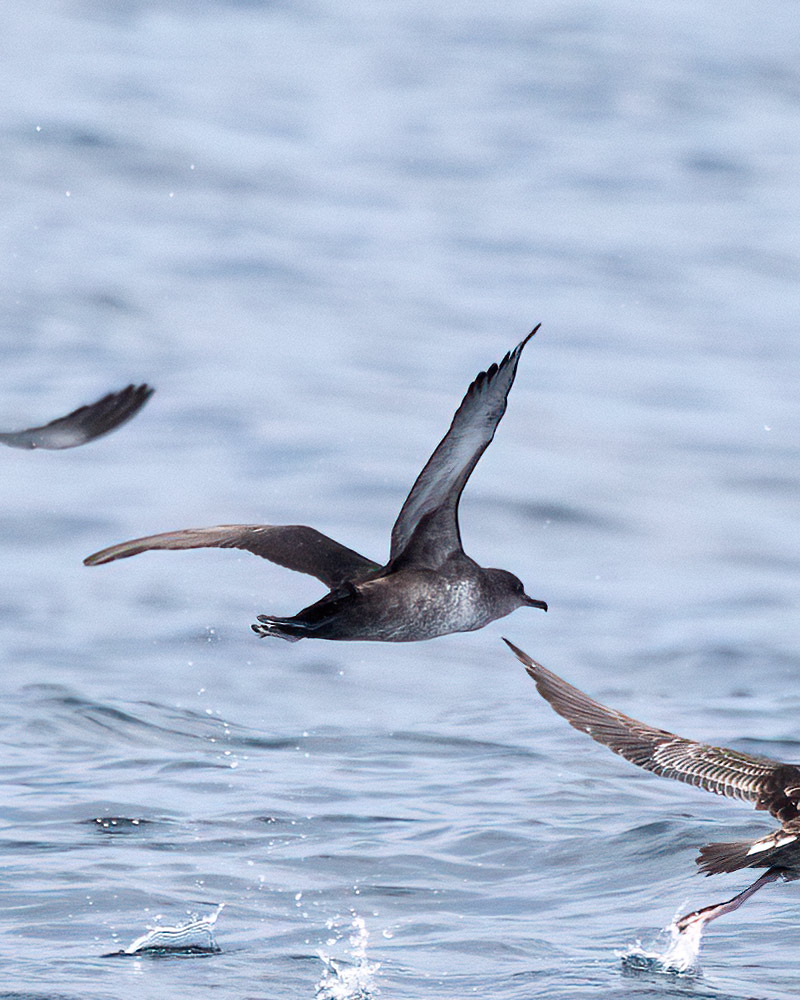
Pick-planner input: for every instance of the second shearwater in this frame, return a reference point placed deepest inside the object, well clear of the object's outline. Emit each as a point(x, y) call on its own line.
point(769, 784)
point(429, 586)
point(84, 424)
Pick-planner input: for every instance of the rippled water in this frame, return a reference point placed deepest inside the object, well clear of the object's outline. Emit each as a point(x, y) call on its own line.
point(310, 225)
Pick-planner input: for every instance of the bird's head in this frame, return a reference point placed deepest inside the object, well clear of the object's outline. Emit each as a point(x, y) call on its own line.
point(512, 588)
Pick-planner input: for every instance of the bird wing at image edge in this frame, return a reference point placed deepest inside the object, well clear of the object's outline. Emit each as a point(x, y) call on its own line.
point(716, 769)
point(84, 424)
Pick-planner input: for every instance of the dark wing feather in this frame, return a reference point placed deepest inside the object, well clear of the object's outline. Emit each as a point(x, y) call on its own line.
point(724, 772)
point(438, 487)
point(85, 423)
point(294, 546)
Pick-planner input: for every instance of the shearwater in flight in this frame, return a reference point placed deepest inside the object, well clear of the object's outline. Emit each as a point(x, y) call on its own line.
point(769, 784)
point(84, 424)
point(429, 586)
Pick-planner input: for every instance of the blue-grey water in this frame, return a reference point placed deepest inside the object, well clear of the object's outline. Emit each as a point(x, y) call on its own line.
point(310, 224)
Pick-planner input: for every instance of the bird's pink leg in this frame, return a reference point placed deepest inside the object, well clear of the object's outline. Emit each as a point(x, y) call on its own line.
point(709, 913)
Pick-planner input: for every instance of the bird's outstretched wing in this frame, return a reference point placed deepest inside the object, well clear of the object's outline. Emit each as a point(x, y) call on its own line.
point(294, 546)
point(435, 494)
point(717, 769)
point(85, 423)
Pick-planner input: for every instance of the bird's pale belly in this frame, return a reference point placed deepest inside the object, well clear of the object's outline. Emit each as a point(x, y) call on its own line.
point(419, 612)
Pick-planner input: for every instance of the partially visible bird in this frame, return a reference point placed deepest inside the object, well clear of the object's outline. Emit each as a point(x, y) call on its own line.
point(84, 424)
point(769, 784)
point(429, 586)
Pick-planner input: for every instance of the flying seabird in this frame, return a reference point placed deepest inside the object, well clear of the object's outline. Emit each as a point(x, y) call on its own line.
point(429, 586)
point(84, 424)
point(769, 784)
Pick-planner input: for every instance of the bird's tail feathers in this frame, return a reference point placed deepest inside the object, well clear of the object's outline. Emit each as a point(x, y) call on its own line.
point(716, 858)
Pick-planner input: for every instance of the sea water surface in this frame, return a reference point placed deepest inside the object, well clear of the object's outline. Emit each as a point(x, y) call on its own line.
point(309, 225)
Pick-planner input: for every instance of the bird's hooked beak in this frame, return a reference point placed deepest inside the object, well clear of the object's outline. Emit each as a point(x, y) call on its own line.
point(531, 602)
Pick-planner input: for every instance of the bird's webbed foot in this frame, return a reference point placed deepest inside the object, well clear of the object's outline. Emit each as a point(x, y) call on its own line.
point(279, 628)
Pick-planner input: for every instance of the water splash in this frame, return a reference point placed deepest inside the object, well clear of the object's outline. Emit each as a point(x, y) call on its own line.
point(196, 937)
point(354, 977)
point(679, 956)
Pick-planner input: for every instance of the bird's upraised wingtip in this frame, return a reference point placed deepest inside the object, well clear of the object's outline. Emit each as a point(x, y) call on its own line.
point(533, 331)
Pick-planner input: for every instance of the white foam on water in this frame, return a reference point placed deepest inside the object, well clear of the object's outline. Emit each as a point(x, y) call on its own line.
point(197, 935)
point(354, 977)
point(679, 956)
